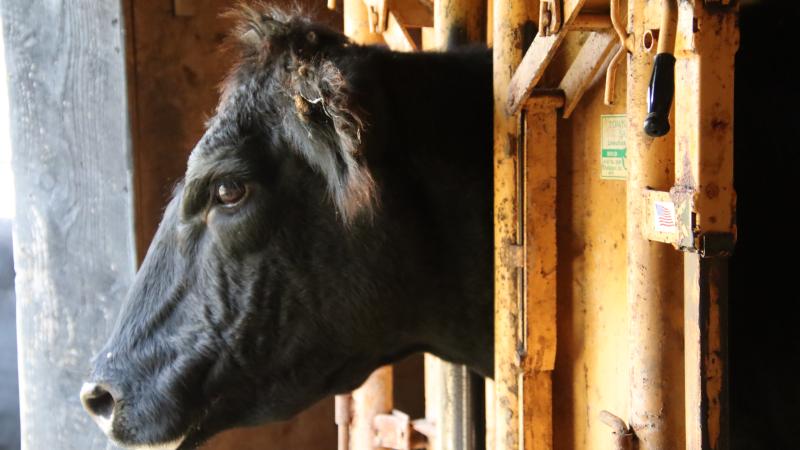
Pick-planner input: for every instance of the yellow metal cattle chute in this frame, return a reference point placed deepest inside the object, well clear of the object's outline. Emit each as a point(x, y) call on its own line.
point(611, 244)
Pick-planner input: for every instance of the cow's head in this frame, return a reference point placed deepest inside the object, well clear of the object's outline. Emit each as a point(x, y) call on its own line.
point(266, 249)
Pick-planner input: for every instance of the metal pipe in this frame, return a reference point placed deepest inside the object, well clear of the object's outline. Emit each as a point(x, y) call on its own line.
point(626, 46)
point(654, 271)
point(342, 408)
point(458, 22)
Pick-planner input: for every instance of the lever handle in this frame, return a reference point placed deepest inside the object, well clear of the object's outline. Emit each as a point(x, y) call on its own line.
point(659, 95)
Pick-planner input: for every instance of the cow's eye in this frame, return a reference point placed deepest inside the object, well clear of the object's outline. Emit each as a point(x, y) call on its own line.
point(229, 193)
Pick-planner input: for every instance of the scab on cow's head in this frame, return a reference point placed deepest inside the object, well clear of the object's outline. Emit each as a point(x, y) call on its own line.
point(264, 238)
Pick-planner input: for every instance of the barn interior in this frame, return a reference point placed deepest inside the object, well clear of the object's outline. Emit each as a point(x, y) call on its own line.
point(721, 336)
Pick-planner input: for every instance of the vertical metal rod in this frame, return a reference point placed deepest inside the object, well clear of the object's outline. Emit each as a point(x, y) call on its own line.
point(509, 18)
point(654, 274)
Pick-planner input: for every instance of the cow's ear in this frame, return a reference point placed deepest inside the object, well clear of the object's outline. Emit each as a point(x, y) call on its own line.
point(327, 110)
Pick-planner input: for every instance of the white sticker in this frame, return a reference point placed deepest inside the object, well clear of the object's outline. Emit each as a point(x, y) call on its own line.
point(664, 217)
point(613, 147)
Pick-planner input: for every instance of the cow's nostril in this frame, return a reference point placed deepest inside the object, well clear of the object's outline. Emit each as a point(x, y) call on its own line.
point(98, 402)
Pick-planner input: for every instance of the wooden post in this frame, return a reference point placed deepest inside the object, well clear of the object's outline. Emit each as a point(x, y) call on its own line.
point(509, 19)
point(654, 270)
point(74, 245)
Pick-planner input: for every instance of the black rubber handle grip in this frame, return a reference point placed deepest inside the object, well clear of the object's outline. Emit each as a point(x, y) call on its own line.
point(659, 95)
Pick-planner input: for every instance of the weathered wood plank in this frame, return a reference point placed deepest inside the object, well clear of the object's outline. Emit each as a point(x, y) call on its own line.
point(537, 58)
point(74, 244)
point(587, 65)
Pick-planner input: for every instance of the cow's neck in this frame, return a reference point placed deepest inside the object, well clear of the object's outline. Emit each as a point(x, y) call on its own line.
point(437, 183)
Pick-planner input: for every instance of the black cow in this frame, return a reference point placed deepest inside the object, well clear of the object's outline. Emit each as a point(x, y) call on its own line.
point(335, 217)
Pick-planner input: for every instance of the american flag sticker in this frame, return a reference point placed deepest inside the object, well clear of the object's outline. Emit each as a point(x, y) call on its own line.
point(664, 217)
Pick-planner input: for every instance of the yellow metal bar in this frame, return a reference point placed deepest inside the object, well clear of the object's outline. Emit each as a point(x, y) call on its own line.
point(654, 270)
point(704, 171)
point(509, 18)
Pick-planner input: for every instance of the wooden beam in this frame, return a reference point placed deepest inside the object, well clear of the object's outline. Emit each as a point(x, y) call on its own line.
point(73, 236)
point(537, 58)
point(590, 60)
point(397, 37)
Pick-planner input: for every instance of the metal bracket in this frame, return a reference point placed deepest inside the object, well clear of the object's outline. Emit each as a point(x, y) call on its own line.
point(550, 17)
point(397, 431)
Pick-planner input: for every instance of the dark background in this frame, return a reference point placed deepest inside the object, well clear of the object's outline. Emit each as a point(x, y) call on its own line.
point(764, 330)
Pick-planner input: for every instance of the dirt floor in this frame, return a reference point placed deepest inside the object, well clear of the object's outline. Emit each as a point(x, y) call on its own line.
point(9, 397)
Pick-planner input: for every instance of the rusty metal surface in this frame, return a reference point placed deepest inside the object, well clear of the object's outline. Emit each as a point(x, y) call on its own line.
point(708, 38)
point(509, 21)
